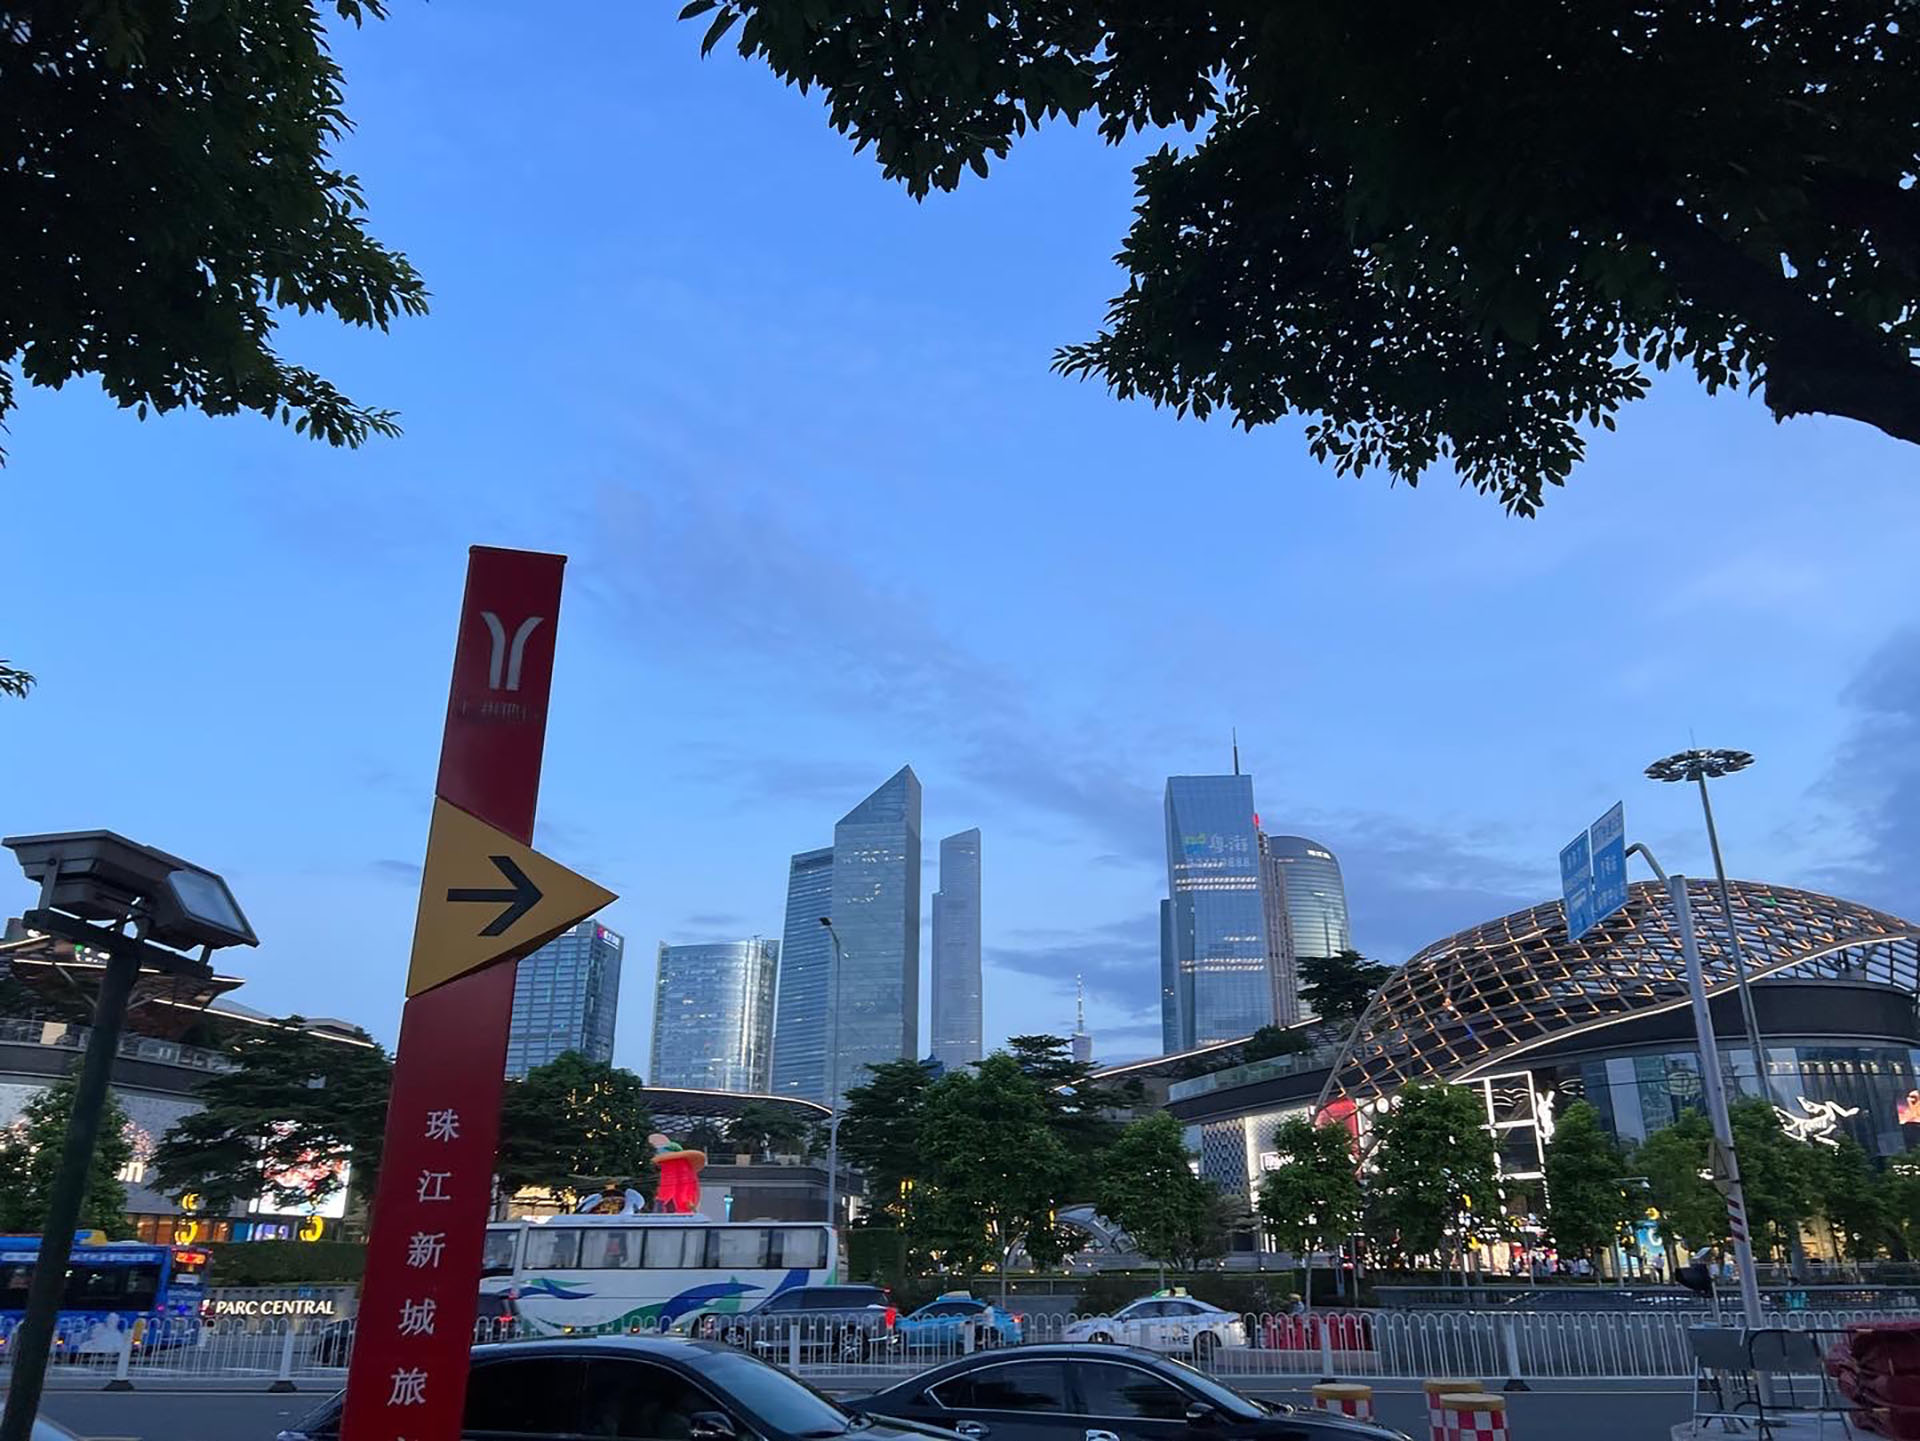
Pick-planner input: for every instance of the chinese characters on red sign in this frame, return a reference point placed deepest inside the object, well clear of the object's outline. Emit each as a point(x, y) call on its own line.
point(407, 1380)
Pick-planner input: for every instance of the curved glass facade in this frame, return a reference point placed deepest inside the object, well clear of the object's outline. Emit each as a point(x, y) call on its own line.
point(713, 1016)
point(1316, 895)
point(1820, 1087)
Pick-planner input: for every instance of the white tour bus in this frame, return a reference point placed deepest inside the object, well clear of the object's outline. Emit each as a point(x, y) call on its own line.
point(641, 1271)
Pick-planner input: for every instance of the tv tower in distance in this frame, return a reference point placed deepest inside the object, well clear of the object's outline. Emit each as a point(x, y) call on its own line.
point(1082, 1042)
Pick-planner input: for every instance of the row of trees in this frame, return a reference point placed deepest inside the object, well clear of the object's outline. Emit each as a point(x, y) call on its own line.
point(1864, 1208)
point(297, 1108)
point(1431, 1188)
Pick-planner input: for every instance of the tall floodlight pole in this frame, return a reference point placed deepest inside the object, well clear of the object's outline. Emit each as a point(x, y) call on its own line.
point(1697, 766)
point(1713, 1088)
point(833, 1078)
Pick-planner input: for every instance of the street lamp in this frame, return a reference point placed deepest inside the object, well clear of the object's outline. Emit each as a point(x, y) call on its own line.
point(1697, 765)
point(144, 910)
point(833, 1079)
point(1727, 1178)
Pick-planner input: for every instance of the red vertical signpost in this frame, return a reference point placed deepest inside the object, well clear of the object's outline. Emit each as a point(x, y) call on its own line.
point(486, 899)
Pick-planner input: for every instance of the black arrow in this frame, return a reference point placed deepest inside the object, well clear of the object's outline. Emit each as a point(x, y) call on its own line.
point(521, 896)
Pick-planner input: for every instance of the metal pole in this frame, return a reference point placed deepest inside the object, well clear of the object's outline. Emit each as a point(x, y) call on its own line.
point(1747, 1012)
point(34, 1339)
point(1715, 1090)
point(833, 1079)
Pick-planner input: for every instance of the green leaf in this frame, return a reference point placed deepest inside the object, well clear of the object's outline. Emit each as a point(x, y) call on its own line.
point(721, 24)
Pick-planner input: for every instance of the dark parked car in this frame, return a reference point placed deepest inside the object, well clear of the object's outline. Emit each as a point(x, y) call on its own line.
point(846, 1322)
point(1098, 1393)
point(648, 1388)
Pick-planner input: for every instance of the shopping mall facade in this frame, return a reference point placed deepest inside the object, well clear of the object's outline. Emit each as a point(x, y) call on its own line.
point(1534, 1021)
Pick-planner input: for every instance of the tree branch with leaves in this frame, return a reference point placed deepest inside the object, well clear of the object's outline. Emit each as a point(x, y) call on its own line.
point(1443, 237)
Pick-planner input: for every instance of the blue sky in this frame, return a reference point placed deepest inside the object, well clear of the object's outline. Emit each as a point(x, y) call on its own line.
point(829, 513)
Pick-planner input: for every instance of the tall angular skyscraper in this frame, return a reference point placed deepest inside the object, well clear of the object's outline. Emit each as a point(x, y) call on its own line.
point(956, 952)
point(876, 914)
point(713, 1016)
point(565, 998)
point(806, 956)
point(1217, 938)
point(871, 883)
point(1316, 895)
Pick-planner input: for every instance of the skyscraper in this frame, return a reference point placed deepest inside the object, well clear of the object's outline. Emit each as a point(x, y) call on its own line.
point(1316, 895)
point(565, 998)
point(1218, 950)
point(1170, 1028)
point(956, 952)
point(806, 956)
point(871, 877)
point(876, 913)
point(713, 1016)
point(1282, 968)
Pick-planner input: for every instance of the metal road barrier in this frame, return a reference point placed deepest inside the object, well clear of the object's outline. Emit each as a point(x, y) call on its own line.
point(1503, 1347)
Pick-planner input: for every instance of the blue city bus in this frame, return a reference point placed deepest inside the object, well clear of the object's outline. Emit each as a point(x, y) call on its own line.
point(112, 1287)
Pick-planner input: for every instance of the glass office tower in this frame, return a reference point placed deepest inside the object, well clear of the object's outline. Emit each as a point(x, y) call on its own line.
point(956, 952)
point(1223, 982)
point(806, 956)
point(1316, 895)
point(876, 912)
point(868, 884)
point(565, 998)
point(713, 1016)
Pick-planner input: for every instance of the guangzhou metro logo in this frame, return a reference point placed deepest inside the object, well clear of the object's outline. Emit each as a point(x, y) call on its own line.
point(505, 657)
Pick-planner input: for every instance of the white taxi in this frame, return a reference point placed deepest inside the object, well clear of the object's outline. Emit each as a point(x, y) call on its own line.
point(1167, 1321)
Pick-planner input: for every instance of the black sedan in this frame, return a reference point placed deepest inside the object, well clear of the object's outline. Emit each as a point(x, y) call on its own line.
point(1098, 1393)
point(646, 1388)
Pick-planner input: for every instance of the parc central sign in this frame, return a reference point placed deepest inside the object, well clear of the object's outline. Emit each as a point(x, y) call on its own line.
point(486, 899)
point(278, 1306)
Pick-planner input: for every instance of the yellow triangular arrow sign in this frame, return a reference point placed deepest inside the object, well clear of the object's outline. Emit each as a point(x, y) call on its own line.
point(485, 897)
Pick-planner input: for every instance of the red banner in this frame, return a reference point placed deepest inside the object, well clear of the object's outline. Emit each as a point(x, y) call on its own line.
point(408, 1378)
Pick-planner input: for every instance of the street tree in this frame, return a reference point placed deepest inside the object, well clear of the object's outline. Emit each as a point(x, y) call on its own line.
point(573, 1126)
point(297, 1114)
point(1674, 1160)
point(1900, 1204)
point(1588, 1203)
point(1311, 1200)
point(30, 1152)
point(1077, 1104)
point(1448, 235)
point(880, 1127)
point(1434, 1181)
point(995, 1161)
point(764, 1130)
point(171, 190)
point(1779, 1176)
point(1271, 1041)
point(1337, 988)
point(1853, 1200)
point(14, 681)
point(1148, 1189)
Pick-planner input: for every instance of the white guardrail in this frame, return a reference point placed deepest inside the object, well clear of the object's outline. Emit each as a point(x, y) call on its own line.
point(1498, 1346)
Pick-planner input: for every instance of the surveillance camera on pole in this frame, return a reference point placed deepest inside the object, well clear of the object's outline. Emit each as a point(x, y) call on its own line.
point(148, 913)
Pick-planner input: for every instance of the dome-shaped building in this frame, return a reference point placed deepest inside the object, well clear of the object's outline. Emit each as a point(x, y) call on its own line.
point(1536, 1020)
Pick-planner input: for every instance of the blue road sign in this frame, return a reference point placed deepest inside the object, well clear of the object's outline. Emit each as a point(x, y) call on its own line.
point(1576, 884)
point(1609, 835)
point(1593, 873)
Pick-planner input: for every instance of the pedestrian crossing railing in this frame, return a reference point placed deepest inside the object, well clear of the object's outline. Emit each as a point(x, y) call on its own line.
point(1511, 1348)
